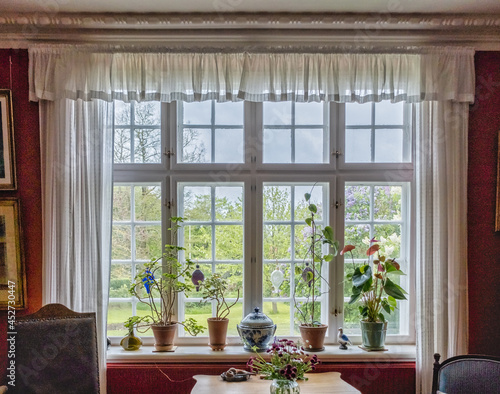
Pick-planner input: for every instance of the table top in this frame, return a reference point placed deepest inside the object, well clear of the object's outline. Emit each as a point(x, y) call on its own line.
point(318, 383)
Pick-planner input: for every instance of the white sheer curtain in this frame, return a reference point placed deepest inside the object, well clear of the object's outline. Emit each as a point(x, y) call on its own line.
point(76, 150)
point(442, 79)
point(442, 313)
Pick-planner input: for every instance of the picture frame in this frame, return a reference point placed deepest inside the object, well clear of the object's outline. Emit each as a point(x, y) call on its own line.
point(12, 271)
point(7, 151)
point(497, 221)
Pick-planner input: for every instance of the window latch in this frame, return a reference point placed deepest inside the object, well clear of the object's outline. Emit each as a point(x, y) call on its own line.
point(338, 204)
point(169, 204)
point(337, 153)
point(337, 312)
point(169, 153)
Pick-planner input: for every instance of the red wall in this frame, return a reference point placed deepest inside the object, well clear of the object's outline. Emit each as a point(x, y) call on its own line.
point(27, 142)
point(483, 242)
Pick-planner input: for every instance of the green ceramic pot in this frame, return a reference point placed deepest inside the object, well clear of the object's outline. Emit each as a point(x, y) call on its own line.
point(373, 334)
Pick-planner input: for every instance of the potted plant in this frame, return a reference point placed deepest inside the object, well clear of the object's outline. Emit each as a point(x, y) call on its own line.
point(214, 288)
point(164, 278)
point(377, 293)
point(311, 329)
point(131, 341)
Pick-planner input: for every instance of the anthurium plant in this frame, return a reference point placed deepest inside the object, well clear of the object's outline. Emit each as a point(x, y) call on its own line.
point(311, 274)
point(372, 285)
point(164, 278)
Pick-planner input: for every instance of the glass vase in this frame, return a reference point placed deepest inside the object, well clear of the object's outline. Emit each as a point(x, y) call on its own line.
point(284, 386)
point(131, 342)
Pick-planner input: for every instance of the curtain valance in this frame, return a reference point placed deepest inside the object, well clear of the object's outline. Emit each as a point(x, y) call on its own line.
point(83, 73)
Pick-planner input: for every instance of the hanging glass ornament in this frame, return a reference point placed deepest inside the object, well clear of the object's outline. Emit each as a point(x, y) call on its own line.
point(197, 277)
point(305, 274)
point(277, 278)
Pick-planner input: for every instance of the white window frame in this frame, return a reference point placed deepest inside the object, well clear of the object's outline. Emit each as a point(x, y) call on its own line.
point(253, 174)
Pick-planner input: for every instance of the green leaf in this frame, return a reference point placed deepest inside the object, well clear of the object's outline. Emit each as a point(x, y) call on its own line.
point(309, 221)
point(309, 276)
point(386, 307)
point(393, 290)
point(298, 271)
point(328, 233)
point(360, 277)
point(392, 301)
point(328, 257)
point(313, 208)
point(354, 298)
point(307, 196)
point(381, 317)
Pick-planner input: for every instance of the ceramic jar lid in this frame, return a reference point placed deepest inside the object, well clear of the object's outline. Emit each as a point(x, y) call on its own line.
point(256, 319)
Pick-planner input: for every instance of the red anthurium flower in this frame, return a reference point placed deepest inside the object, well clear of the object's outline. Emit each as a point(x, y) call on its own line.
point(372, 249)
point(373, 240)
point(380, 267)
point(347, 248)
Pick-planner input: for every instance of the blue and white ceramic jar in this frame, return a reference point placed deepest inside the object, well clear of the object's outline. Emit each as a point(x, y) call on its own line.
point(256, 329)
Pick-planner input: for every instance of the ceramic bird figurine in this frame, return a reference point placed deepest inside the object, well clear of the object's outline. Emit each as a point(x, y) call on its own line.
point(343, 340)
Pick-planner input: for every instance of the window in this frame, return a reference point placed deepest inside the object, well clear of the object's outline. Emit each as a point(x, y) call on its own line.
point(238, 172)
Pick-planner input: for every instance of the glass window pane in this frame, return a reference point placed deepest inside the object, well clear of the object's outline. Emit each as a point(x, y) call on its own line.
point(278, 114)
point(147, 113)
point(387, 113)
point(389, 236)
point(121, 243)
point(359, 236)
point(229, 146)
point(309, 146)
point(229, 114)
point(357, 202)
point(279, 312)
point(233, 274)
point(197, 203)
point(118, 313)
point(301, 205)
point(229, 242)
point(309, 113)
point(148, 243)
point(277, 146)
point(121, 203)
point(198, 242)
point(196, 145)
point(147, 203)
point(389, 146)
point(199, 113)
point(122, 113)
point(358, 114)
point(277, 203)
point(358, 146)
point(387, 202)
point(276, 280)
point(120, 280)
point(147, 146)
point(122, 147)
point(229, 203)
point(277, 242)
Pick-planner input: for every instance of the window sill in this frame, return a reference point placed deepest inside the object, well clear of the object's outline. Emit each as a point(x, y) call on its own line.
point(193, 354)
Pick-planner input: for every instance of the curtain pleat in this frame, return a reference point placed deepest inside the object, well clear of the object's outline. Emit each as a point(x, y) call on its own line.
point(441, 258)
point(76, 149)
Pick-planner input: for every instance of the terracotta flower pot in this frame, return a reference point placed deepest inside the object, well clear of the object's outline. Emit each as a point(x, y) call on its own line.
point(164, 337)
point(313, 338)
point(217, 332)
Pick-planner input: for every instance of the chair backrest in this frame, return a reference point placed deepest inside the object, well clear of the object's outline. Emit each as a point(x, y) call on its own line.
point(467, 374)
point(56, 352)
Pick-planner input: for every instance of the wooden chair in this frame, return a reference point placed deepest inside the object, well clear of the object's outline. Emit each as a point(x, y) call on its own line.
point(466, 374)
point(56, 352)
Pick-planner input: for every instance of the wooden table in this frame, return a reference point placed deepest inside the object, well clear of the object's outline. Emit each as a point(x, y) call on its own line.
point(318, 383)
